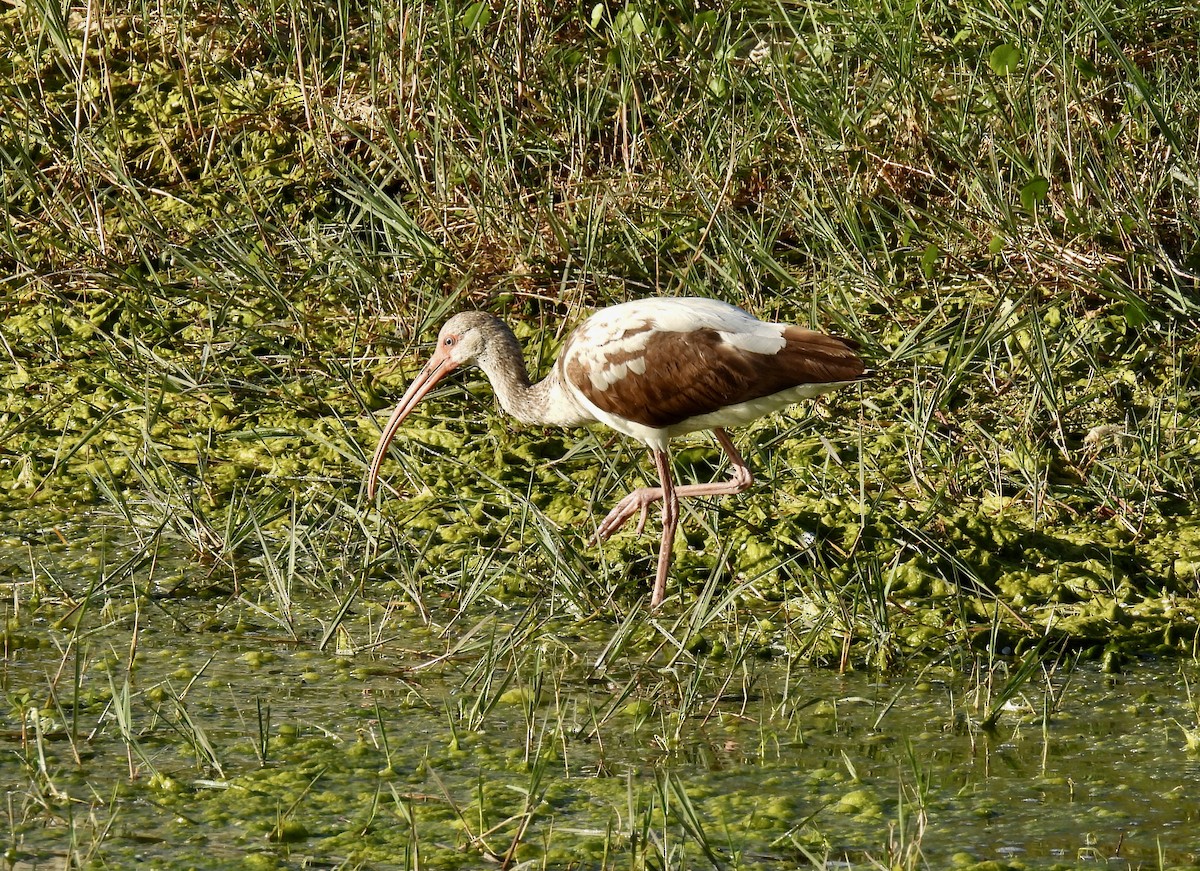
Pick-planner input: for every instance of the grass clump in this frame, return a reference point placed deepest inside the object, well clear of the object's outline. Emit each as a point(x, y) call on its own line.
point(227, 230)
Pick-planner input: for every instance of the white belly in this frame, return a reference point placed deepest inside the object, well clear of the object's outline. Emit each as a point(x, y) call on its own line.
point(730, 416)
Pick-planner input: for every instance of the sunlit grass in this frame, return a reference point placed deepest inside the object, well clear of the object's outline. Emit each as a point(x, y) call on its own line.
point(229, 233)
point(243, 261)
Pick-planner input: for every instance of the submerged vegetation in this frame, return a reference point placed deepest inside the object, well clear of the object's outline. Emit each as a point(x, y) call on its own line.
point(228, 228)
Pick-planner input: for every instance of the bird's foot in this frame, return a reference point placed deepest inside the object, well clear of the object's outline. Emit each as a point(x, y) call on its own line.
point(639, 501)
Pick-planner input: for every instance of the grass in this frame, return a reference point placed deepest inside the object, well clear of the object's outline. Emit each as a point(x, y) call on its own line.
point(229, 232)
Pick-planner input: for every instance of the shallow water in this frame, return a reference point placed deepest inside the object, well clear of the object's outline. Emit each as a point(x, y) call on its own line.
point(185, 731)
point(1107, 776)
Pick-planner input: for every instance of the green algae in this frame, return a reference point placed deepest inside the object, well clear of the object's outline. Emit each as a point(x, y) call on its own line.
point(217, 266)
point(1085, 577)
point(249, 747)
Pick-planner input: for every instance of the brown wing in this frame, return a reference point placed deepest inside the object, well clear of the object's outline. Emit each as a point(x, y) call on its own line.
point(687, 374)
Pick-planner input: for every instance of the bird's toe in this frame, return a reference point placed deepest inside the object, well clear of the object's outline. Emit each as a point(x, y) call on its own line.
point(637, 502)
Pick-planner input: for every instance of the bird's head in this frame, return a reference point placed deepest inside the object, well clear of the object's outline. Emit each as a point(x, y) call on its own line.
point(463, 341)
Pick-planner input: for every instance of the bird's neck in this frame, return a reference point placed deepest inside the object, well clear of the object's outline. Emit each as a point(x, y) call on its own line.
point(543, 403)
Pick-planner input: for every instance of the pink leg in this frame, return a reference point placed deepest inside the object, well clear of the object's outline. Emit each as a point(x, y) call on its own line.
point(640, 500)
point(670, 501)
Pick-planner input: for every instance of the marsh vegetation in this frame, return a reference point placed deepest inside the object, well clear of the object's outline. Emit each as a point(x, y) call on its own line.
point(227, 231)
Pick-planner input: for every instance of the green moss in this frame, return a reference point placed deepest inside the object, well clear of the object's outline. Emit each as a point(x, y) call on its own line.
point(859, 802)
point(517, 696)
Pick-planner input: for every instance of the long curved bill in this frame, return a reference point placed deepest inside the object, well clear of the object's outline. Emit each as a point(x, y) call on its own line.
point(439, 366)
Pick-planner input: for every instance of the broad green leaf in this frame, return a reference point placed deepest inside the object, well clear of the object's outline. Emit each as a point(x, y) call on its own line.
point(929, 259)
point(1033, 192)
point(1005, 59)
point(476, 15)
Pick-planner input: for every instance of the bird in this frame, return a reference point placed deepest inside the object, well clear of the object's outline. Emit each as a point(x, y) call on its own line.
point(652, 369)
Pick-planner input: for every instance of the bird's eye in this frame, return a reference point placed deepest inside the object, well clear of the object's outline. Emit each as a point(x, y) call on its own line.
point(449, 341)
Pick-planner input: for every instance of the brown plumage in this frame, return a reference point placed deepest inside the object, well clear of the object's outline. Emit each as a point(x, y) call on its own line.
point(698, 373)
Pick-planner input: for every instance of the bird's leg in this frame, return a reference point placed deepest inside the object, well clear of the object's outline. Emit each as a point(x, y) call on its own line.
point(739, 479)
point(641, 499)
point(670, 501)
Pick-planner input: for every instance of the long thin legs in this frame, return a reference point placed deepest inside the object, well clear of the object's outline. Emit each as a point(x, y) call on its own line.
point(640, 500)
point(670, 501)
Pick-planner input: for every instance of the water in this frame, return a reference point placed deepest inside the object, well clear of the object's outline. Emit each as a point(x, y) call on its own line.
point(184, 731)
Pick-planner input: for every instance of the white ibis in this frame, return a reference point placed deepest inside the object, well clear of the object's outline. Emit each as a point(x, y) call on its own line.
point(652, 369)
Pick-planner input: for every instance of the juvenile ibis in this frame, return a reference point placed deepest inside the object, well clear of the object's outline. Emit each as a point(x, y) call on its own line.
point(652, 369)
